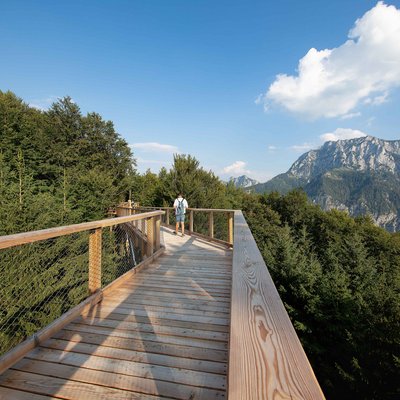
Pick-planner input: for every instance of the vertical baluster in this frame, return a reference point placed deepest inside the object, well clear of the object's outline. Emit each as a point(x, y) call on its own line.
point(150, 236)
point(230, 228)
point(95, 260)
point(191, 221)
point(211, 224)
point(157, 232)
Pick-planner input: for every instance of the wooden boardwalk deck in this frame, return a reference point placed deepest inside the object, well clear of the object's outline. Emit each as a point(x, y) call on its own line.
point(162, 334)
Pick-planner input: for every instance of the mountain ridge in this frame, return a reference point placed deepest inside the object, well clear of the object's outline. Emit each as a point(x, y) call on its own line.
point(361, 176)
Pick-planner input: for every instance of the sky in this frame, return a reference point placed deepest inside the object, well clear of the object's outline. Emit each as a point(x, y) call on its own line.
point(246, 86)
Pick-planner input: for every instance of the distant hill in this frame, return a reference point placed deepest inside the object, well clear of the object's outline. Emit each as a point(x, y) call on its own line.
point(359, 175)
point(243, 181)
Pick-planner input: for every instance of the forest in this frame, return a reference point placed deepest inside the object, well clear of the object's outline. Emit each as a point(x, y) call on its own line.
point(339, 277)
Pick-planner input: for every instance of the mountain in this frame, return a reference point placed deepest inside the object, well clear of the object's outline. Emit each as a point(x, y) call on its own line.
point(243, 181)
point(361, 176)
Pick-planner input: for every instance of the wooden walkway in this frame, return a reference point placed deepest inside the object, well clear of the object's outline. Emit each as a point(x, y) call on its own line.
point(162, 334)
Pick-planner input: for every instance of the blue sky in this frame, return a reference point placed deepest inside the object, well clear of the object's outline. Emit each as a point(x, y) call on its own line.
point(244, 86)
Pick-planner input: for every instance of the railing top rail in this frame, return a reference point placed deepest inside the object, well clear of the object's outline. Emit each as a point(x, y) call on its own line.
point(266, 359)
point(35, 236)
point(189, 209)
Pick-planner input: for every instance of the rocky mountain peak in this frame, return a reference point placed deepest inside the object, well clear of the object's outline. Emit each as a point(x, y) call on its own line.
point(243, 181)
point(366, 153)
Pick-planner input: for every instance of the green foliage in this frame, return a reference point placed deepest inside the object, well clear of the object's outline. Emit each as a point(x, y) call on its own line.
point(339, 279)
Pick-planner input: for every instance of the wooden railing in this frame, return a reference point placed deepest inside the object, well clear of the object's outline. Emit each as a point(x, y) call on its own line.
point(150, 230)
point(208, 233)
point(266, 359)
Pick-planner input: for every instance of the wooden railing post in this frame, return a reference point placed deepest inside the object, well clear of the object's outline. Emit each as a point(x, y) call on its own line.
point(167, 217)
point(150, 236)
point(191, 221)
point(143, 232)
point(157, 232)
point(95, 261)
point(211, 224)
point(230, 228)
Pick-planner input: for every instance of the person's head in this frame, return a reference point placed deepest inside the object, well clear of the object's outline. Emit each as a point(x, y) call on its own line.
point(180, 195)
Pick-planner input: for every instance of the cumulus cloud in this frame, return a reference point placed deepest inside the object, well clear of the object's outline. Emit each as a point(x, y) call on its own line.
point(272, 148)
point(236, 169)
point(333, 82)
point(342, 134)
point(154, 147)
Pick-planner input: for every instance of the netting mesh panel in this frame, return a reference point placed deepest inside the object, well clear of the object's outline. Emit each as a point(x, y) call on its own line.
point(200, 223)
point(40, 282)
point(124, 246)
point(221, 226)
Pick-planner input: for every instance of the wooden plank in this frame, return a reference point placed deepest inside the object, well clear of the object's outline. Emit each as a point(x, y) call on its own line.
point(208, 344)
point(145, 305)
point(144, 346)
point(172, 295)
point(266, 359)
point(169, 272)
point(104, 313)
point(131, 368)
point(176, 288)
point(124, 382)
point(13, 394)
point(158, 279)
point(174, 304)
point(139, 356)
point(65, 389)
point(156, 329)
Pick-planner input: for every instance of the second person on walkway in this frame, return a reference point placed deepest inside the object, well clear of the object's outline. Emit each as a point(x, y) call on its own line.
point(180, 205)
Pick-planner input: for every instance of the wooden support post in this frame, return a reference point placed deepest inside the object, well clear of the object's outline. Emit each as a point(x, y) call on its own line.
point(191, 221)
point(143, 232)
point(167, 217)
point(150, 236)
point(95, 261)
point(211, 224)
point(230, 228)
point(157, 233)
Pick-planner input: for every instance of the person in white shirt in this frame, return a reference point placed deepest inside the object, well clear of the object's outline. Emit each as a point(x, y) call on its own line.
point(180, 205)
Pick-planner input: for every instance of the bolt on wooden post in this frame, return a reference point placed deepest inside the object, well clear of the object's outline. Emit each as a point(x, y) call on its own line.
point(95, 260)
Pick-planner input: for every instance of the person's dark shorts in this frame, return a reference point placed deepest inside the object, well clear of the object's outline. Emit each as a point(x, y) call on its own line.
point(180, 217)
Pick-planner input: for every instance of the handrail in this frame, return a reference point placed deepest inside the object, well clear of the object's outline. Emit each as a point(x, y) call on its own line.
point(35, 236)
point(266, 359)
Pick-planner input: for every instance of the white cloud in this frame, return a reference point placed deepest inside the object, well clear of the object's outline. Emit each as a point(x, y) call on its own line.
point(302, 148)
point(272, 148)
point(236, 169)
point(43, 104)
point(351, 115)
point(342, 134)
point(154, 147)
point(333, 82)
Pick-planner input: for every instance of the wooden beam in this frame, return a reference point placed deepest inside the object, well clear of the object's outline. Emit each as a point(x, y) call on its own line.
point(211, 224)
point(150, 236)
point(35, 236)
point(95, 260)
point(266, 359)
point(230, 227)
point(191, 219)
